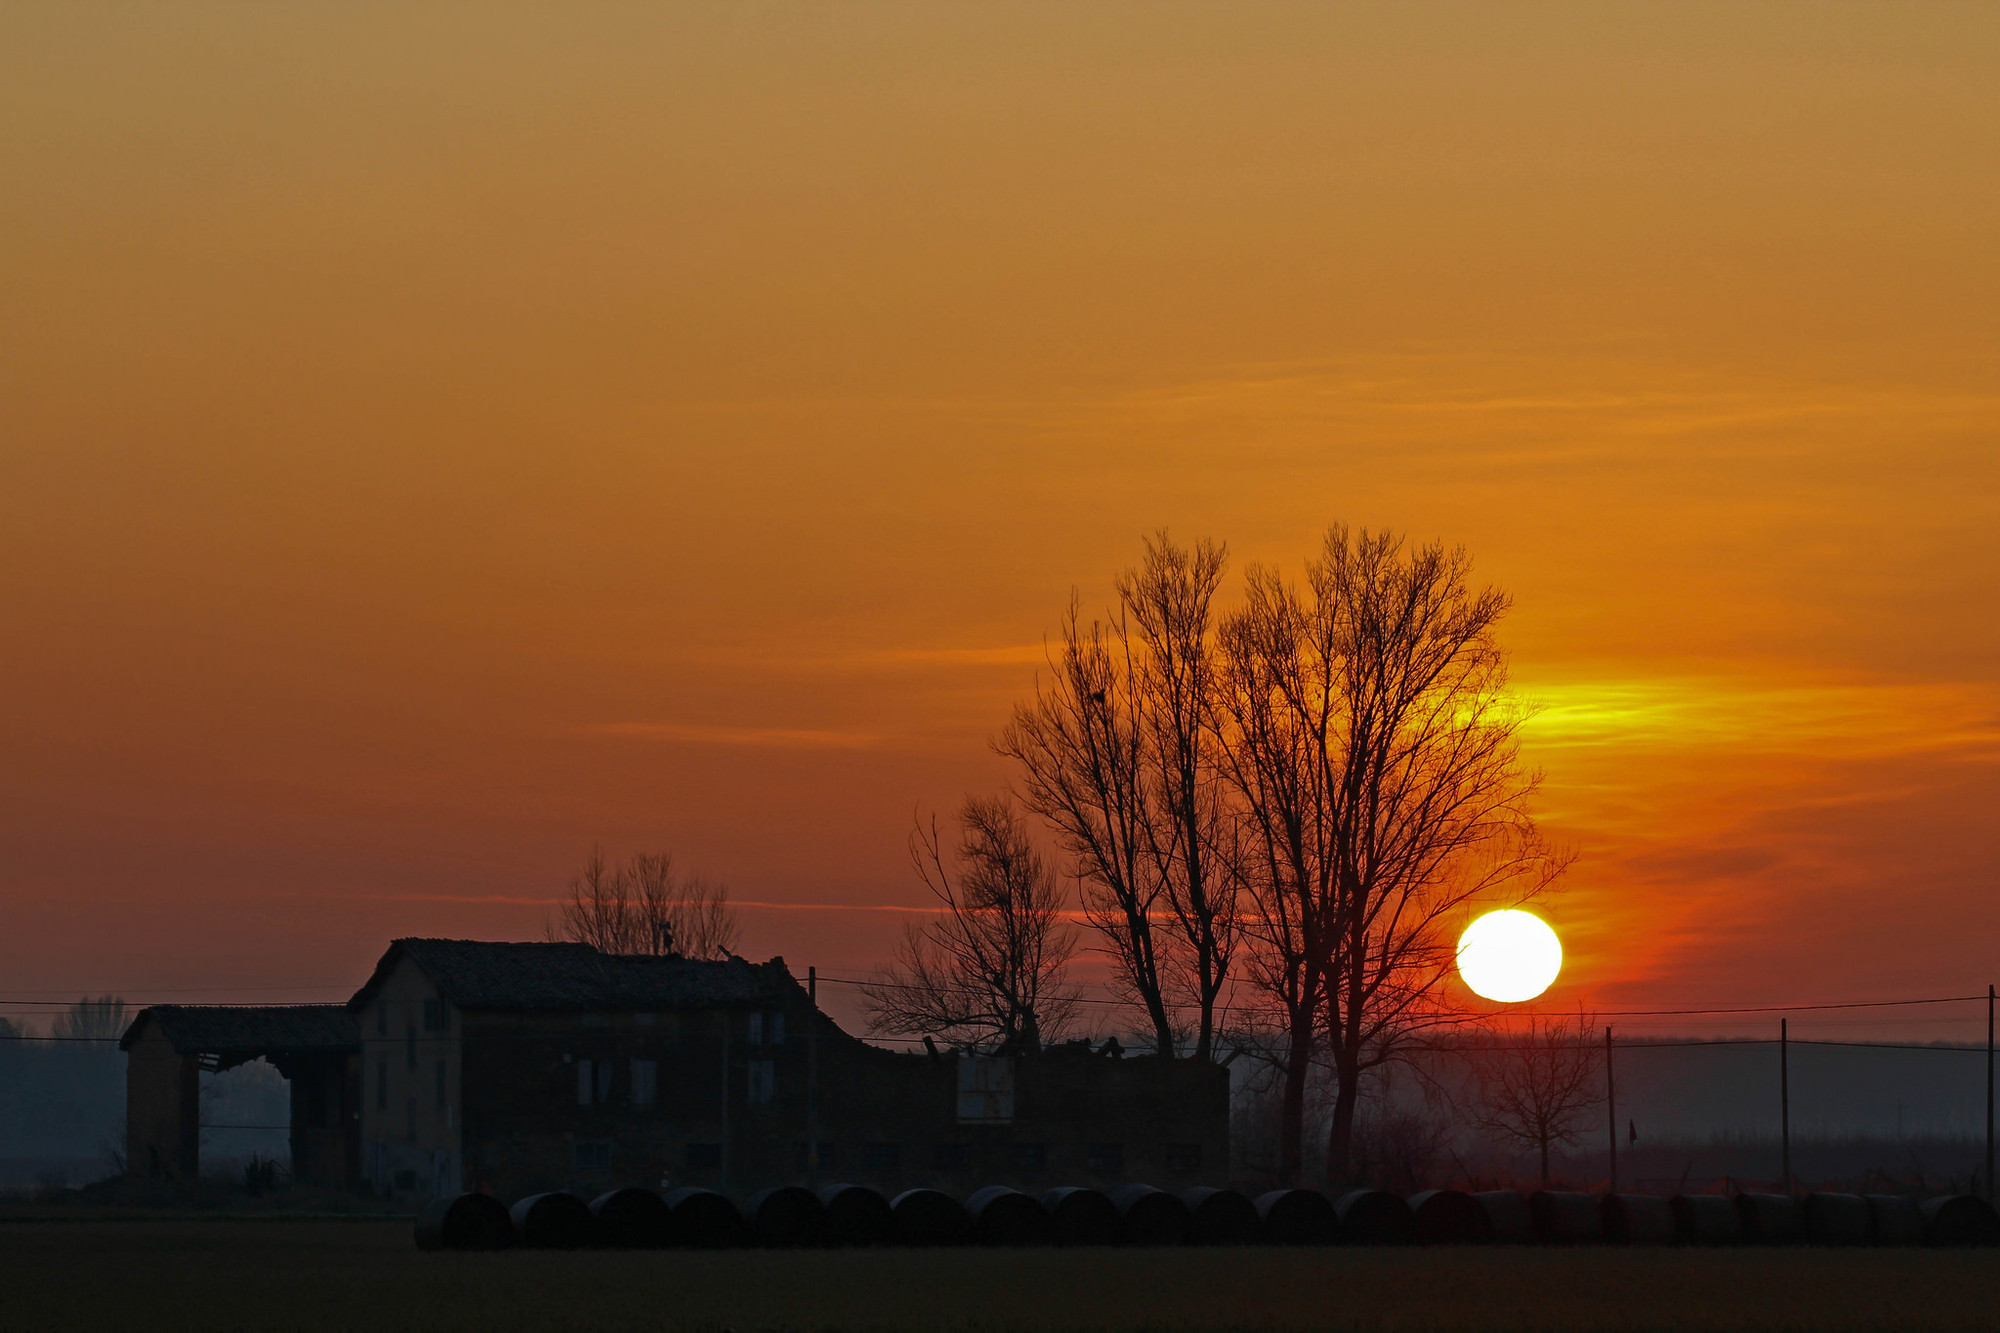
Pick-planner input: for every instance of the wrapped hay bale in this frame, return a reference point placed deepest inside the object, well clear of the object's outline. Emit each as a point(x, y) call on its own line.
point(1297, 1217)
point(1959, 1219)
point(705, 1220)
point(786, 1217)
point(1837, 1219)
point(635, 1219)
point(553, 1221)
point(1147, 1216)
point(1636, 1219)
point(1507, 1216)
point(1002, 1216)
point(1449, 1217)
point(929, 1217)
point(1222, 1217)
point(1565, 1217)
point(465, 1222)
point(1374, 1217)
point(1705, 1219)
point(857, 1215)
point(1894, 1219)
point(1081, 1216)
point(1770, 1219)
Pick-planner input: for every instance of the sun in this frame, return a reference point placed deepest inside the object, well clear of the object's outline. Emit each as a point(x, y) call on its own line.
point(1509, 956)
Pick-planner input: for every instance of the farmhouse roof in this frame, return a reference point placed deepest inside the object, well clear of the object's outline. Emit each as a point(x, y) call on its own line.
point(203, 1029)
point(481, 974)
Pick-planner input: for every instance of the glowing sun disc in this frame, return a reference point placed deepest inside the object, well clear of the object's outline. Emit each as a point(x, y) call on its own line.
point(1509, 956)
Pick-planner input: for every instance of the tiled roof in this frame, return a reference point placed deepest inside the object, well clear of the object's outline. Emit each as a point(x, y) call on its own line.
point(224, 1029)
point(480, 974)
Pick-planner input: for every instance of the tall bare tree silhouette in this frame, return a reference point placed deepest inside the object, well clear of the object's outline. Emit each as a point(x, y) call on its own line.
point(1117, 753)
point(1373, 746)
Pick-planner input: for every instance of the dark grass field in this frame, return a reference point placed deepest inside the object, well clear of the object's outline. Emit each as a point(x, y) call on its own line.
point(266, 1274)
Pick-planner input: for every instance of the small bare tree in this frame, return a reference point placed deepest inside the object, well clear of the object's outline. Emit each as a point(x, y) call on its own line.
point(100, 1018)
point(988, 971)
point(1536, 1087)
point(645, 907)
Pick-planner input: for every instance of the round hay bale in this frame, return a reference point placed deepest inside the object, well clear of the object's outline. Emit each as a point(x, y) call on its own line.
point(1081, 1216)
point(1959, 1219)
point(553, 1221)
point(929, 1217)
point(1374, 1217)
point(1836, 1219)
point(635, 1219)
point(1894, 1219)
point(1001, 1216)
point(1147, 1216)
point(1565, 1217)
point(705, 1220)
point(857, 1215)
point(786, 1217)
point(1449, 1217)
point(1636, 1219)
point(1297, 1217)
point(1222, 1217)
point(465, 1222)
point(1508, 1217)
point(1705, 1219)
point(1770, 1219)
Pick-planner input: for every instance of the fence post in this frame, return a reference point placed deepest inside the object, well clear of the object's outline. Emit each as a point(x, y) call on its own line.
point(1989, 1093)
point(1785, 1103)
point(1611, 1108)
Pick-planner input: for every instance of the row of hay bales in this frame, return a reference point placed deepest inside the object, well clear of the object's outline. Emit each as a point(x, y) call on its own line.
point(854, 1215)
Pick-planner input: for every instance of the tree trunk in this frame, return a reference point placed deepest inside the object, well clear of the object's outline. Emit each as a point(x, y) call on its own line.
point(1156, 1009)
point(1340, 1134)
point(1545, 1162)
point(1291, 1125)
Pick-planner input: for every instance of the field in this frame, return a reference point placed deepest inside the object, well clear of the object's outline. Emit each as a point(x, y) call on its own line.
point(365, 1275)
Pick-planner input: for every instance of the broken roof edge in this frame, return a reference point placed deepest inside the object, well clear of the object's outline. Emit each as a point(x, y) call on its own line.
point(200, 1029)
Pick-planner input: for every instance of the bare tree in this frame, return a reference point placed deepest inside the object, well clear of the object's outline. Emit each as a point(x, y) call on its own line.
point(1536, 1088)
point(1436, 797)
point(1373, 747)
point(988, 971)
point(1081, 748)
point(93, 1018)
point(1193, 837)
point(1117, 756)
point(645, 907)
point(1274, 695)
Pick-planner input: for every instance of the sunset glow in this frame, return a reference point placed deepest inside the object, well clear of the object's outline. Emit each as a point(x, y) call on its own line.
point(672, 427)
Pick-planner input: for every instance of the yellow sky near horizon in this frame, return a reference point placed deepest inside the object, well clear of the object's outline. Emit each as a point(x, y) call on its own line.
point(433, 441)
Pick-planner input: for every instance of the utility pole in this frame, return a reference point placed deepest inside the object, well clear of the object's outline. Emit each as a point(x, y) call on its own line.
point(1989, 1093)
point(1785, 1101)
point(1611, 1107)
point(812, 1079)
point(727, 1017)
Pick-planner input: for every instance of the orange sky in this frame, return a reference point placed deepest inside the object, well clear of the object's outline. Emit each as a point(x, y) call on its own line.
point(435, 439)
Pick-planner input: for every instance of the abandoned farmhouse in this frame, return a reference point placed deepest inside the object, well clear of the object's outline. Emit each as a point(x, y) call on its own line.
point(516, 1068)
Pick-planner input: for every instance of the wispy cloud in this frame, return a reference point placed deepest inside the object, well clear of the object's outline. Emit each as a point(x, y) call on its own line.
point(1834, 719)
point(771, 738)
